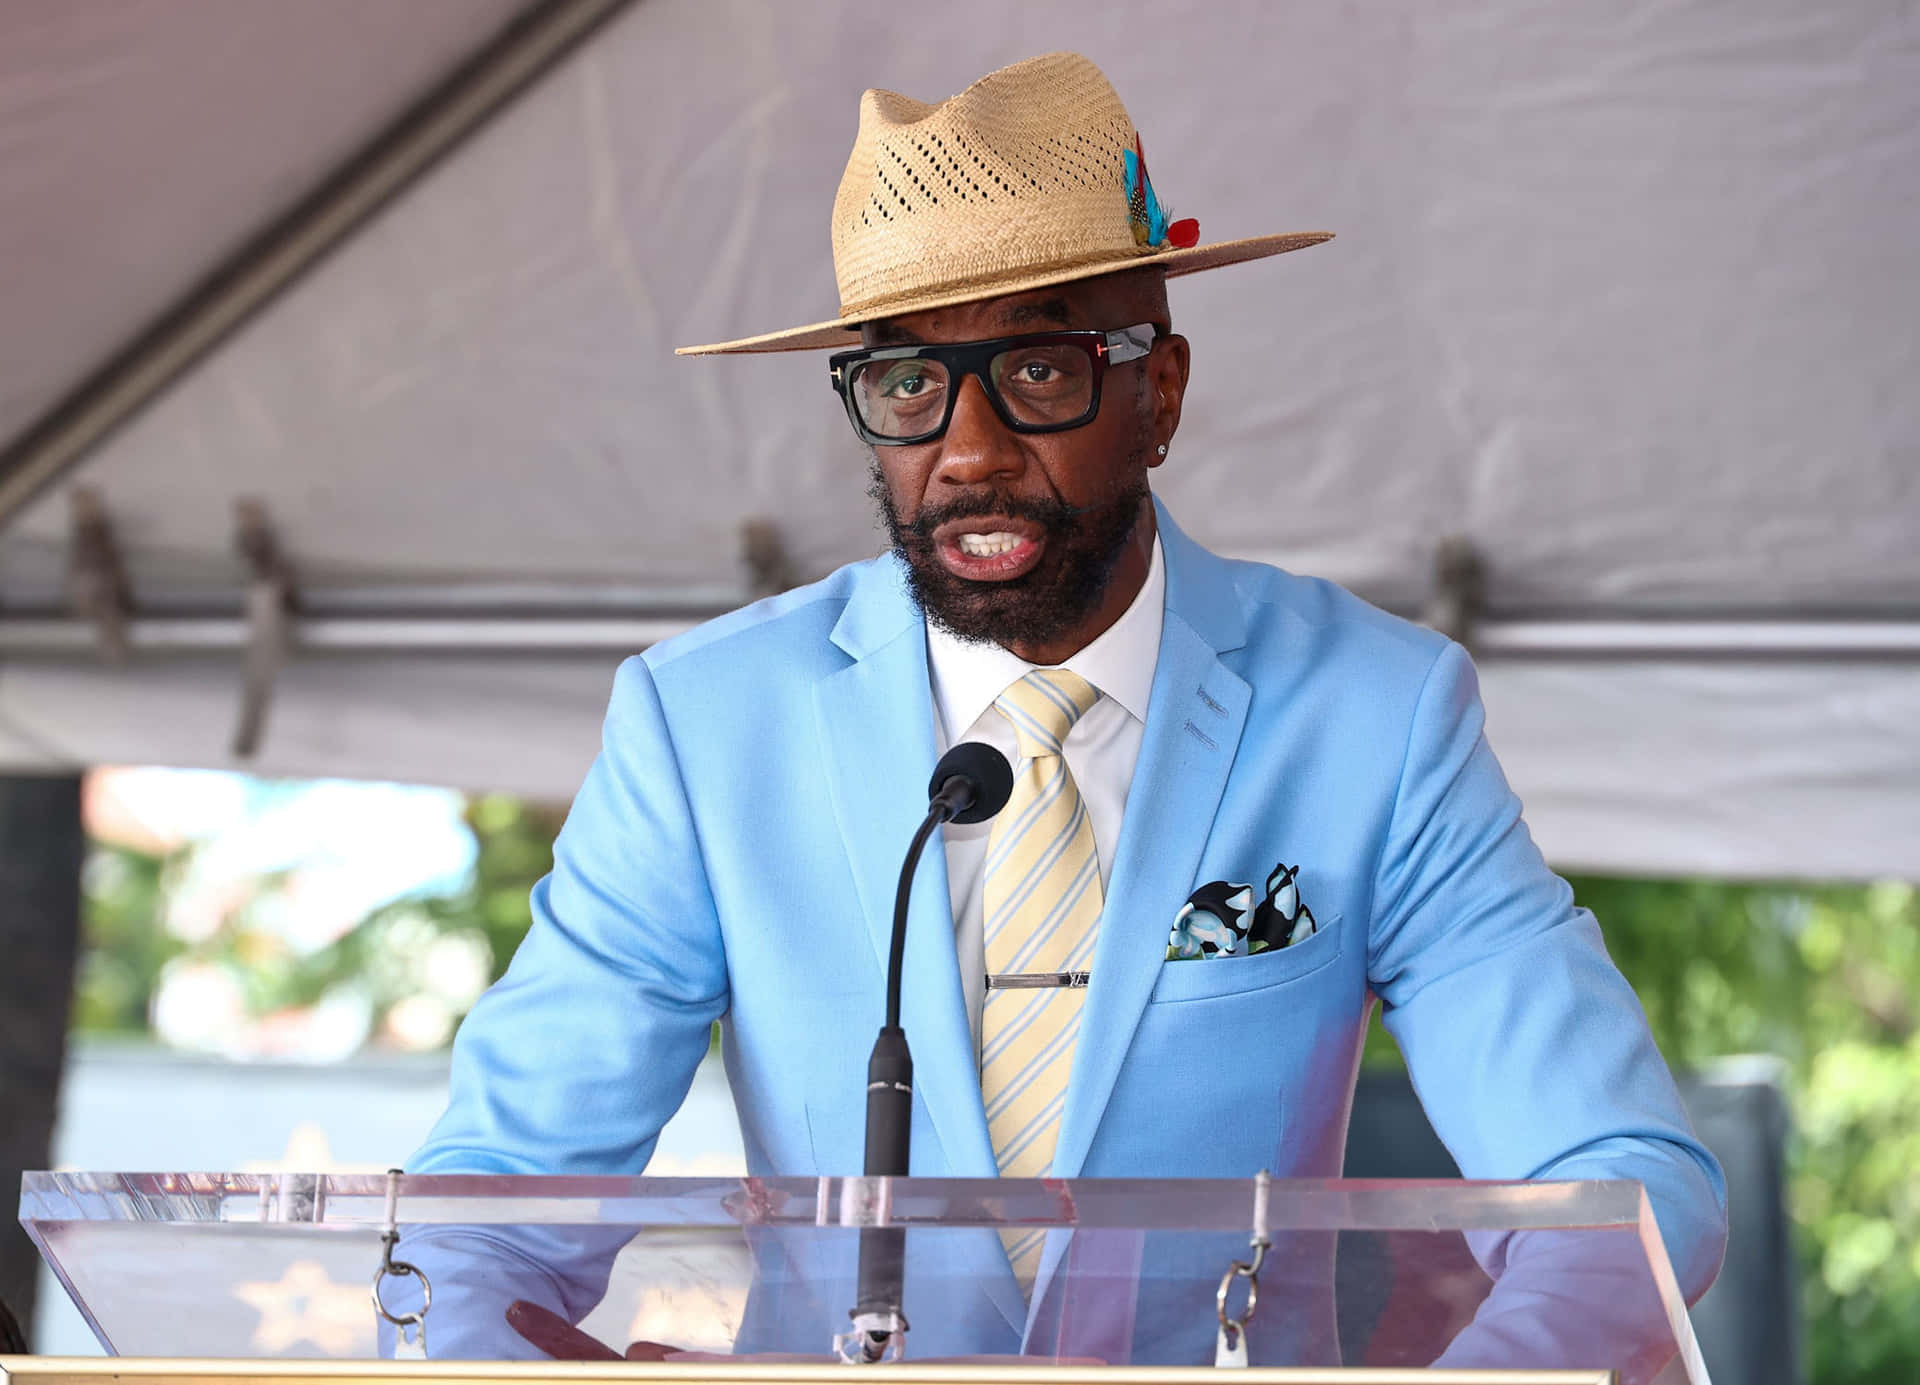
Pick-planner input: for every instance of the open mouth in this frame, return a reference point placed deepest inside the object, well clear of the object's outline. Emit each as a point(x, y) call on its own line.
point(989, 548)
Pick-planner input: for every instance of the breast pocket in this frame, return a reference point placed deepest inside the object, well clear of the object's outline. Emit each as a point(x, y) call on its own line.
point(1212, 977)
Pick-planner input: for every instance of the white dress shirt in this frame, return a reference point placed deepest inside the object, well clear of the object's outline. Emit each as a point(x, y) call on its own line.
point(1101, 749)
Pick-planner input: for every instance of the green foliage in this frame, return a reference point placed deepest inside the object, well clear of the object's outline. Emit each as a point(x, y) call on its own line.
point(389, 957)
point(123, 947)
point(515, 848)
point(1824, 977)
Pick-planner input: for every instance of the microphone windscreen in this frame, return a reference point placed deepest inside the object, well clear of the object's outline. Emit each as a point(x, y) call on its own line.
point(983, 767)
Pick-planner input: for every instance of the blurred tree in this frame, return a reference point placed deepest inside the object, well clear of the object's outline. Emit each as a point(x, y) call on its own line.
point(424, 958)
point(516, 849)
point(124, 942)
point(393, 951)
point(1825, 977)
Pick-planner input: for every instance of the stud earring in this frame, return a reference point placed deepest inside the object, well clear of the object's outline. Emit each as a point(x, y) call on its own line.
point(1163, 449)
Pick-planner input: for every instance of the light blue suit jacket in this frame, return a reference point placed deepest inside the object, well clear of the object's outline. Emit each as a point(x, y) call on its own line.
point(733, 855)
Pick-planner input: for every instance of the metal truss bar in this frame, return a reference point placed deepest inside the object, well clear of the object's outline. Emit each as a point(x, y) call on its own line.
point(1686, 639)
point(400, 635)
point(59, 638)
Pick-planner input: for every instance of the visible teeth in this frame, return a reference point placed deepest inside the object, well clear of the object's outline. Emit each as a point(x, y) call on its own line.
point(987, 545)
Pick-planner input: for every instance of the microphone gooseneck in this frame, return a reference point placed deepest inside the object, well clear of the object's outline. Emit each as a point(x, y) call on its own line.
point(903, 892)
point(971, 783)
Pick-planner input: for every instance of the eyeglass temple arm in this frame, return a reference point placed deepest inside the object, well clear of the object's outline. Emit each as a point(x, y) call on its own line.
point(1131, 343)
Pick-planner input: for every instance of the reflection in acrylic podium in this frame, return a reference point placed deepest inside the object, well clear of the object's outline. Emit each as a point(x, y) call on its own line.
point(1396, 1275)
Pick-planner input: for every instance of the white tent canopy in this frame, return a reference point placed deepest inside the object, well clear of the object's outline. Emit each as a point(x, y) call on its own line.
point(1626, 299)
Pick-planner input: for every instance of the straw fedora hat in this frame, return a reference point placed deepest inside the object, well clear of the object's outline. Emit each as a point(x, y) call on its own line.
point(1032, 176)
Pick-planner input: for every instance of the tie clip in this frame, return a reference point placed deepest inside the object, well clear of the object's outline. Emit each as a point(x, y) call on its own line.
point(1037, 980)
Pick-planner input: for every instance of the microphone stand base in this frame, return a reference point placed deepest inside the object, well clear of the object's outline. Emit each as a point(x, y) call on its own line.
point(877, 1335)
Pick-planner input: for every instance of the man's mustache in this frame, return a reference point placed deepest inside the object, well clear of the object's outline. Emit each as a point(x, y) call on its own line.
point(1050, 514)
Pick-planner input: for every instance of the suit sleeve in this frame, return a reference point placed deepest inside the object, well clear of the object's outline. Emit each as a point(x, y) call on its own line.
point(1530, 1052)
point(574, 1060)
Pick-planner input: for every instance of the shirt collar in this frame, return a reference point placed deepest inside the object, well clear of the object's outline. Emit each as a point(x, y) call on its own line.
point(967, 677)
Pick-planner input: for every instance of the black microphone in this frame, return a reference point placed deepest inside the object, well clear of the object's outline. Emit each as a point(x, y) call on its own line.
point(971, 783)
point(974, 779)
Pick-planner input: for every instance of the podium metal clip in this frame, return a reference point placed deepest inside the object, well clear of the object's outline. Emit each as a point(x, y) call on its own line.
point(1230, 1348)
point(405, 1347)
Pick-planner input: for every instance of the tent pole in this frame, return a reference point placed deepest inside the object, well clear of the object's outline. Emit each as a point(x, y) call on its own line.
point(41, 846)
point(513, 60)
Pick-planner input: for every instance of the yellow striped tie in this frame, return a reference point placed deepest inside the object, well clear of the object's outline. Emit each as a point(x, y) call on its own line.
point(1041, 906)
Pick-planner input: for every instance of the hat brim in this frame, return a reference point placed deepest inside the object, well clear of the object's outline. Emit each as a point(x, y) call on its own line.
point(844, 332)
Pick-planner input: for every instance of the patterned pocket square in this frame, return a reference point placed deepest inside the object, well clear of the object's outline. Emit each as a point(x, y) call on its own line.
point(1220, 918)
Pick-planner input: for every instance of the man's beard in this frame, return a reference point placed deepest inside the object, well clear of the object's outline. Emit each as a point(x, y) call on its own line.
point(1083, 546)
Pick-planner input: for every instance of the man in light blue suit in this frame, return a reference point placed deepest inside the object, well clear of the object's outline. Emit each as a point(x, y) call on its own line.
point(732, 856)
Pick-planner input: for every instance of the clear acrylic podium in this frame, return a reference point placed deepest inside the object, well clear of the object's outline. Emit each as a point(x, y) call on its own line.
point(752, 1279)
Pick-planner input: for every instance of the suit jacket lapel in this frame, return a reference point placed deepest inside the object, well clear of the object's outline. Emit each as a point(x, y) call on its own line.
point(1194, 719)
point(876, 722)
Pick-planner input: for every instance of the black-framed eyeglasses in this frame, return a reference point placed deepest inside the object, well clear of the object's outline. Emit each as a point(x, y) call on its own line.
point(1044, 382)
